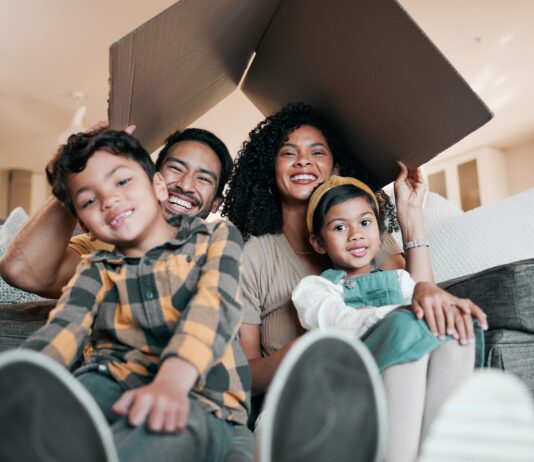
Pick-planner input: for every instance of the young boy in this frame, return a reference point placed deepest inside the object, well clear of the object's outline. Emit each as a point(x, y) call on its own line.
point(156, 321)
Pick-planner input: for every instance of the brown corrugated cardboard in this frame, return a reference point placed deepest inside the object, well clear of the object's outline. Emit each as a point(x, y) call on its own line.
point(172, 69)
point(364, 63)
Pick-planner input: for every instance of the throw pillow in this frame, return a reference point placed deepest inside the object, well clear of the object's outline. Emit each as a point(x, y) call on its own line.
point(484, 237)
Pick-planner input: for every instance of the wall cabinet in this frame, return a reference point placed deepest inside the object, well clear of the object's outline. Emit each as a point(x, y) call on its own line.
point(470, 179)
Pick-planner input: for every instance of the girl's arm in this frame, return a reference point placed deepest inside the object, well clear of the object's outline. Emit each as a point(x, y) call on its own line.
point(320, 305)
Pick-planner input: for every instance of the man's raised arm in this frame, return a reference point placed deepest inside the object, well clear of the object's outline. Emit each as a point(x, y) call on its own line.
point(38, 259)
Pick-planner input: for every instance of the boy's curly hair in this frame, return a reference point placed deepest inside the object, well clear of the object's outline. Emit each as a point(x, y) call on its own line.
point(252, 201)
point(72, 157)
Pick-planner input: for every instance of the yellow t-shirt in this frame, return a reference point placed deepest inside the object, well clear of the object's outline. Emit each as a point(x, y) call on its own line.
point(84, 245)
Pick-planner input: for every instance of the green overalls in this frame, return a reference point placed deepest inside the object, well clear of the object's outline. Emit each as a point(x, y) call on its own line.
point(400, 337)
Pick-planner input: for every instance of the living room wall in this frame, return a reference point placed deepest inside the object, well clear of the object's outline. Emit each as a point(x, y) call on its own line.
point(520, 167)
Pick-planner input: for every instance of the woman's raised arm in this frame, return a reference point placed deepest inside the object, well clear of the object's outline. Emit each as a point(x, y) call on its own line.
point(410, 190)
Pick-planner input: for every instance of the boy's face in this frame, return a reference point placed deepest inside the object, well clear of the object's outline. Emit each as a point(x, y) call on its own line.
point(349, 236)
point(117, 203)
point(192, 172)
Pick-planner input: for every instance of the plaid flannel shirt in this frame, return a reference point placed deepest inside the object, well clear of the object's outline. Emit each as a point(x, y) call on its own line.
point(180, 299)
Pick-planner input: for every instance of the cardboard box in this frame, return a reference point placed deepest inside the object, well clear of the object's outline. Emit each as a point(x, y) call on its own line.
point(364, 63)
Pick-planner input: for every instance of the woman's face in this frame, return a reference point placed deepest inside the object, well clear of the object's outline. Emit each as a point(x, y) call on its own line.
point(303, 162)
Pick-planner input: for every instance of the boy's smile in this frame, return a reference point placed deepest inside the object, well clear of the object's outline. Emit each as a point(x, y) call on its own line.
point(119, 218)
point(350, 236)
point(118, 204)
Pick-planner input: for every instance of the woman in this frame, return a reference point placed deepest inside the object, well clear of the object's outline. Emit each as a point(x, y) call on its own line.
point(287, 156)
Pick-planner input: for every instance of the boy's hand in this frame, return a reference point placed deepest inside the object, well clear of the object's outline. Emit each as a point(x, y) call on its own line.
point(164, 403)
point(163, 406)
point(445, 313)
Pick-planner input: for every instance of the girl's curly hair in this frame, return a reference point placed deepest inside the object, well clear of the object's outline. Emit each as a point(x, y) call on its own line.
point(252, 201)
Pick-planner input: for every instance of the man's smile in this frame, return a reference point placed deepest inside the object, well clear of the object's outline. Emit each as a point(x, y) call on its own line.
point(181, 202)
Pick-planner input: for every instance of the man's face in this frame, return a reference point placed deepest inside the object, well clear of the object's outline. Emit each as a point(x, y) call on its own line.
point(192, 172)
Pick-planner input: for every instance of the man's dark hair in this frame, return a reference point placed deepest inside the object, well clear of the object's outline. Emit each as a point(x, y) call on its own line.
point(207, 138)
point(73, 156)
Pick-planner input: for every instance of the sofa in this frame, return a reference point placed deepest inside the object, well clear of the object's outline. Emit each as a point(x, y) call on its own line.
point(506, 293)
point(486, 255)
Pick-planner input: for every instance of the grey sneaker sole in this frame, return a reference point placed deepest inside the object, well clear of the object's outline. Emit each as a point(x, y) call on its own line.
point(325, 403)
point(46, 415)
point(488, 418)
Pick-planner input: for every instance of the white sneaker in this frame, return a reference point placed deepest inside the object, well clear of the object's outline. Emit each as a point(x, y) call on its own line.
point(488, 418)
point(46, 415)
point(326, 403)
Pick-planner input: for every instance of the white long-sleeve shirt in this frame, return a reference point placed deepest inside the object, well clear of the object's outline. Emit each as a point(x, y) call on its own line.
point(320, 305)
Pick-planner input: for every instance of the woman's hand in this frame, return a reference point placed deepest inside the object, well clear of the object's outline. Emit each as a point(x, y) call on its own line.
point(410, 188)
point(445, 313)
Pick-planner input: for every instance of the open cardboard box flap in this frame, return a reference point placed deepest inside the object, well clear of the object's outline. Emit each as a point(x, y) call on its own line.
point(364, 63)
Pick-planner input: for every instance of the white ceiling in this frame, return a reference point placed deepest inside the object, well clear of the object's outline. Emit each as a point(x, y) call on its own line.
point(491, 44)
point(52, 48)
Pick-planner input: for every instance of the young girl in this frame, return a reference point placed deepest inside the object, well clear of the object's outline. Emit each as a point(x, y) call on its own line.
point(419, 368)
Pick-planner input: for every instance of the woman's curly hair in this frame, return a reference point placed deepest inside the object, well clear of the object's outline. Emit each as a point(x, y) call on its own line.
point(252, 201)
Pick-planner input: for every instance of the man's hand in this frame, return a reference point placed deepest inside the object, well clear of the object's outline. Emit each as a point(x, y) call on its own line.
point(445, 313)
point(104, 125)
point(164, 403)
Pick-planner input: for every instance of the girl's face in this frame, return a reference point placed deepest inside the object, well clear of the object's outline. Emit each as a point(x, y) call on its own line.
point(302, 162)
point(349, 236)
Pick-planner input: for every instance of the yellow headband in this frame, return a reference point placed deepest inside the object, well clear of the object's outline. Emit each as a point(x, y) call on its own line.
point(333, 182)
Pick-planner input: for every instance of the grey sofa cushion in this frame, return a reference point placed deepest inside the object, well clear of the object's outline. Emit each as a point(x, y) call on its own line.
point(513, 352)
point(505, 293)
point(19, 320)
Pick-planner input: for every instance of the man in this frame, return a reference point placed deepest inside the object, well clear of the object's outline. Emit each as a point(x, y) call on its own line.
point(195, 165)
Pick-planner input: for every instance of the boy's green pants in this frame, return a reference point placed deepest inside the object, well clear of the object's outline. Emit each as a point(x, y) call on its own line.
point(205, 438)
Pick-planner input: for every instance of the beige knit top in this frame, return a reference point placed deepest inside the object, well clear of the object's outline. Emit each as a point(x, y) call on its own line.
point(271, 270)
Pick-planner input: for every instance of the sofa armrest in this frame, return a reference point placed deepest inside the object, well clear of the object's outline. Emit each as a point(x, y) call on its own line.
point(505, 293)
